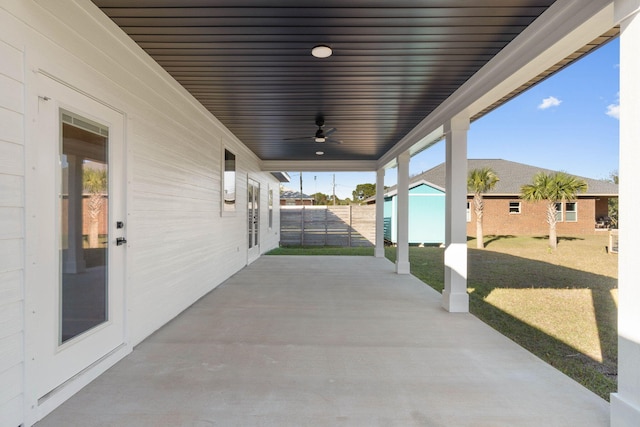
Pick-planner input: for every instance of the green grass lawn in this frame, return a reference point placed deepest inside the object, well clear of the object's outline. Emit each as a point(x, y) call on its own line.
point(560, 305)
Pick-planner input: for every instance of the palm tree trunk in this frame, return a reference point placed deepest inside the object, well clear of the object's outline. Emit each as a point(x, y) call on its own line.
point(479, 210)
point(96, 202)
point(551, 219)
point(93, 233)
point(553, 237)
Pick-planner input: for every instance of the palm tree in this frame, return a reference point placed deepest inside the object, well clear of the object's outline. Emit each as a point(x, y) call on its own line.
point(613, 201)
point(480, 181)
point(94, 183)
point(553, 187)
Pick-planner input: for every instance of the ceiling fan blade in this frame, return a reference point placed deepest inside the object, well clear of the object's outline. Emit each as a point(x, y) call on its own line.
point(320, 136)
point(300, 138)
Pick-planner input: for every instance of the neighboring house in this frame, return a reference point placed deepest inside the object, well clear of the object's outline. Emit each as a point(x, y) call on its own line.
point(426, 213)
point(504, 212)
point(295, 198)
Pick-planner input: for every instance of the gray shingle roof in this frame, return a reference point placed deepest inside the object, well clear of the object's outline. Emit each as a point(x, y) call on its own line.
point(293, 195)
point(512, 176)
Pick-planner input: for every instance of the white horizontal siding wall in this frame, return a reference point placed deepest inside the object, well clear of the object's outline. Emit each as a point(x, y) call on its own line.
point(180, 244)
point(11, 233)
point(180, 247)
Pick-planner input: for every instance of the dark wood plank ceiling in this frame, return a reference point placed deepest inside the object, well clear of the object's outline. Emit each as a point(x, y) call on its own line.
point(250, 64)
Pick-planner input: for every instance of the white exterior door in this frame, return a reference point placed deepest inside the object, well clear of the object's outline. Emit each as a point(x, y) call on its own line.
point(253, 217)
point(77, 197)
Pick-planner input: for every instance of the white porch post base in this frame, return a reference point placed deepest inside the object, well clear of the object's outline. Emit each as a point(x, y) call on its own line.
point(455, 298)
point(455, 302)
point(403, 267)
point(379, 252)
point(623, 414)
point(71, 264)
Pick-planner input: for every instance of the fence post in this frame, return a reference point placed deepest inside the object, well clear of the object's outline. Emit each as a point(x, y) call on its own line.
point(302, 226)
point(326, 220)
point(350, 223)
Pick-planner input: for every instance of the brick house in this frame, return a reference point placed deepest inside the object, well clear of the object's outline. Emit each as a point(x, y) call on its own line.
point(295, 198)
point(506, 214)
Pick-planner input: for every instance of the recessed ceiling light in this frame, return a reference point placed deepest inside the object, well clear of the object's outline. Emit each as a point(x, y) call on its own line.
point(321, 51)
point(319, 153)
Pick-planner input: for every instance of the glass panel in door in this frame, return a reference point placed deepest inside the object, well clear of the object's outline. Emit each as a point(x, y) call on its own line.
point(256, 212)
point(253, 213)
point(250, 213)
point(84, 228)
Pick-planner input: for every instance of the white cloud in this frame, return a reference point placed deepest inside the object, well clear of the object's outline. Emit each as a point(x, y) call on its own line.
point(613, 110)
point(549, 102)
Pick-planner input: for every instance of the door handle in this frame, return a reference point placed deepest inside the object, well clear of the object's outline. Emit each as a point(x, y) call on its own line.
point(120, 241)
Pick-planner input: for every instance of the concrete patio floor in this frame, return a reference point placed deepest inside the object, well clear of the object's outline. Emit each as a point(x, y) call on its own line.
point(329, 341)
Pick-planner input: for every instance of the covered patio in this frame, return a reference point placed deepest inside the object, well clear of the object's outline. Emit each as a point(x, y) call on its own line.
point(292, 341)
point(203, 105)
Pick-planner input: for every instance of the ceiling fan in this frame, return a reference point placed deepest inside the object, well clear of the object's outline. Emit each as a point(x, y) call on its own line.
point(321, 135)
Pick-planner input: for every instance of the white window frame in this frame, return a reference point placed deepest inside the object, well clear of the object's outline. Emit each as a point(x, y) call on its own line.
point(573, 212)
point(270, 196)
point(228, 209)
point(516, 205)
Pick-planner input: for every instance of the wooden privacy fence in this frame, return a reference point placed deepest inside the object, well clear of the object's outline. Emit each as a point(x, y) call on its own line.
point(328, 225)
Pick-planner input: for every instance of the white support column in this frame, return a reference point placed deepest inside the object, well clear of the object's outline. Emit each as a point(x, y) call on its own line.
point(454, 296)
point(380, 214)
point(402, 253)
point(625, 404)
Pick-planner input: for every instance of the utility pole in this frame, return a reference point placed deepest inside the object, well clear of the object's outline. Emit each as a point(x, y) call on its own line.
point(334, 189)
point(301, 199)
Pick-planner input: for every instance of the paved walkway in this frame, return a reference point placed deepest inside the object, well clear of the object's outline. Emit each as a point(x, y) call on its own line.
point(329, 341)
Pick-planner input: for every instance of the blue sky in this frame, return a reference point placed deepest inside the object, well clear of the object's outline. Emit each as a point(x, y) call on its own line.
point(568, 122)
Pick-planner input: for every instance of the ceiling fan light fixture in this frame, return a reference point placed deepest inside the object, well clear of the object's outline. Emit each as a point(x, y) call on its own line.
point(320, 139)
point(321, 51)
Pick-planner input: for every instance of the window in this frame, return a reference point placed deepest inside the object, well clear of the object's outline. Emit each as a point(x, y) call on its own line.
point(270, 207)
point(514, 207)
point(468, 212)
point(84, 225)
point(571, 212)
point(229, 182)
point(559, 216)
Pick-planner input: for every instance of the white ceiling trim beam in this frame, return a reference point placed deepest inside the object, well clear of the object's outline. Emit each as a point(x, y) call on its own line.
point(565, 27)
point(423, 144)
point(319, 165)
